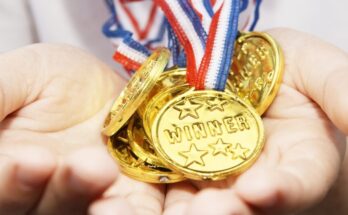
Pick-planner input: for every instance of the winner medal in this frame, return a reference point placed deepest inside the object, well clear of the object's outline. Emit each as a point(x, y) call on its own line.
point(201, 119)
point(208, 135)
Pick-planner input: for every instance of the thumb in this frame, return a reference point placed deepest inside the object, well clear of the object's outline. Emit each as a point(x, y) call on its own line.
point(18, 73)
point(320, 71)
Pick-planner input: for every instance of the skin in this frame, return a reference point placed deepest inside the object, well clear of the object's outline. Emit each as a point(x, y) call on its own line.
point(53, 160)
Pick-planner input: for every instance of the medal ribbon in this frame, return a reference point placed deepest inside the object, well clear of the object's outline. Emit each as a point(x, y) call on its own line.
point(200, 36)
point(208, 63)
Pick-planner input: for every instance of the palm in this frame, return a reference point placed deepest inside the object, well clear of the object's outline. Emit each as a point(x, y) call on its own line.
point(299, 162)
point(297, 135)
point(302, 154)
point(53, 113)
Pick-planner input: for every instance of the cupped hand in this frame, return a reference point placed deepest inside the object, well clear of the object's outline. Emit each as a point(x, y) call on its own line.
point(53, 100)
point(303, 150)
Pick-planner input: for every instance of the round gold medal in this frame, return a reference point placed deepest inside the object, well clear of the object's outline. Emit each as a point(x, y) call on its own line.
point(208, 135)
point(160, 100)
point(257, 69)
point(136, 168)
point(169, 78)
point(139, 144)
point(136, 91)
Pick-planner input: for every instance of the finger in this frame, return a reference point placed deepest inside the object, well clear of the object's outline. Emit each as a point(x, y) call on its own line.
point(219, 202)
point(146, 199)
point(37, 75)
point(178, 197)
point(15, 81)
point(111, 206)
point(298, 171)
point(23, 176)
point(319, 70)
point(80, 179)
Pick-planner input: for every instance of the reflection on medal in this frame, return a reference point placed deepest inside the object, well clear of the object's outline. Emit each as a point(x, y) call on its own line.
point(175, 132)
point(208, 135)
point(139, 143)
point(172, 77)
point(257, 69)
point(160, 100)
point(136, 91)
point(137, 168)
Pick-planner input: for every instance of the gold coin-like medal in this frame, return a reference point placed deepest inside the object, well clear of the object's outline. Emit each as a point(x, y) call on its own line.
point(139, 144)
point(136, 91)
point(162, 98)
point(208, 135)
point(257, 69)
point(158, 101)
point(169, 78)
point(136, 168)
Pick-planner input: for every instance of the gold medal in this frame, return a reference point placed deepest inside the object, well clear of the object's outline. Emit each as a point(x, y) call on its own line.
point(257, 69)
point(139, 144)
point(158, 101)
point(136, 91)
point(169, 78)
point(208, 135)
point(136, 168)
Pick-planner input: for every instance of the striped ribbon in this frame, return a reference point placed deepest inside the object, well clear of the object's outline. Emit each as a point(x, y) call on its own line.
point(208, 62)
point(200, 36)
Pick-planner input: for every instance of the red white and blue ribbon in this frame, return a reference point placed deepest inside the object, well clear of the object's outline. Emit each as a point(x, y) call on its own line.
point(200, 36)
point(208, 63)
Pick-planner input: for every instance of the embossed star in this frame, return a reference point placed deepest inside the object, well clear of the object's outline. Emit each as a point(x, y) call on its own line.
point(220, 147)
point(188, 109)
point(216, 104)
point(239, 152)
point(194, 155)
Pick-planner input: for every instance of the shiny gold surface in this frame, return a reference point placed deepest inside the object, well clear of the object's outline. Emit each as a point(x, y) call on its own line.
point(207, 135)
point(257, 69)
point(139, 143)
point(169, 78)
point(136, 91)
point(158, 101)
point(135, 168)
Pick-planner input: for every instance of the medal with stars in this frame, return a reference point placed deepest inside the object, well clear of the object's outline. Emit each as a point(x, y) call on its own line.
point(200, 119)
point(207, 134)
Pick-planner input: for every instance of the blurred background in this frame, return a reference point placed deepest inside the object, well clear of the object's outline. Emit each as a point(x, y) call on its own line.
point(326, 19)
point(78, 22)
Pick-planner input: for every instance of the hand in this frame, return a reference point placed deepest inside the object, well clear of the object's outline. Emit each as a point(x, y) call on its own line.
point(303, 153)
point(54, 100)
point(303, 150)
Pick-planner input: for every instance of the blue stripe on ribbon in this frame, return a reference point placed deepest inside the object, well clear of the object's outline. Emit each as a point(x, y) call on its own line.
point(194, 20)
point(116, 33)
point(256, 15)
point(136, 45)
point(244, 6)
point(208, 7)
point(228, 46)
point(173, 45)
point(160, 34)
point(119, 31)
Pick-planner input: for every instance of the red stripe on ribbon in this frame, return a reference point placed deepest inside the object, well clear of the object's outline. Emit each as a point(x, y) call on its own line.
point(142, 33)
point(191, 62)
point(196, 11)
point(128, 63)
point(203, 69)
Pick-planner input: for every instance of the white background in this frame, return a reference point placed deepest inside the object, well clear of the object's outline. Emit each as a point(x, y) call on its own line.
point(327, 19)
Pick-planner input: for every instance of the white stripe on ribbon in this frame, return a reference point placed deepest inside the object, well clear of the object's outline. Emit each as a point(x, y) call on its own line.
point(206, 19)
point(131, 53)
point(217, 5)
point(218, 48)
point(183, 20)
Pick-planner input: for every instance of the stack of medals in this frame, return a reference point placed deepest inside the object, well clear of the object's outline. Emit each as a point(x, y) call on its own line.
point(162, 129)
